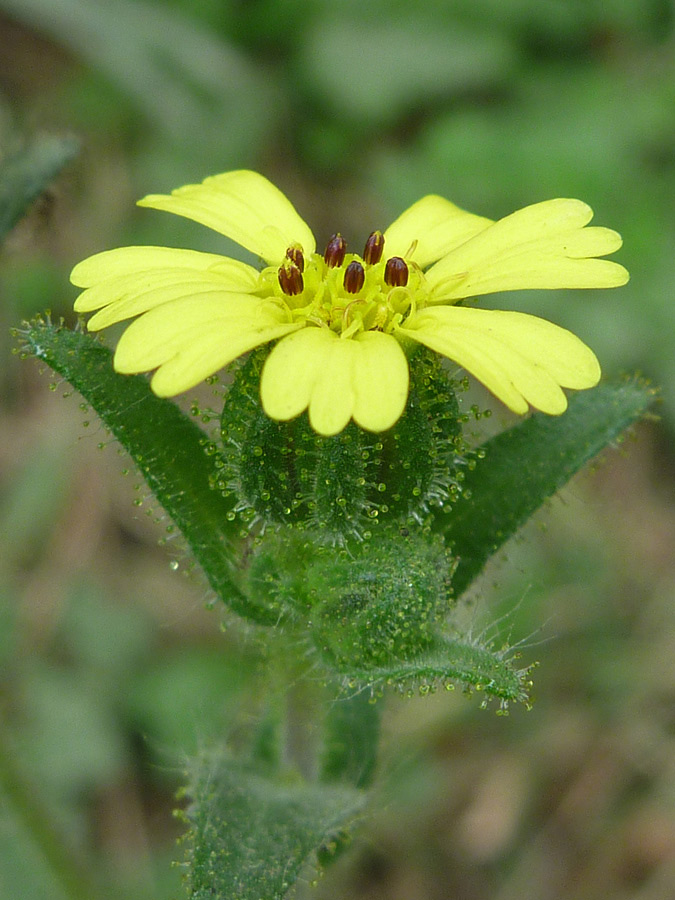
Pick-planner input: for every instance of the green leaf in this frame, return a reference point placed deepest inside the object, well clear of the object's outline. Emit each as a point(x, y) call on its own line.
point(251, 837)
point(27, 173)
point(167, 446)
point(470, 662)
point(527, 464)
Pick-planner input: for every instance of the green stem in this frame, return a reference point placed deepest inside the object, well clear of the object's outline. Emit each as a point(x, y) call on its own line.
point(300, 735)
point(70, 873)
point(351, 735)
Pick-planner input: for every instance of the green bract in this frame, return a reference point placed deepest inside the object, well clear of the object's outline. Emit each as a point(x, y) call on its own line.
point(380, 607)
point(343, 487)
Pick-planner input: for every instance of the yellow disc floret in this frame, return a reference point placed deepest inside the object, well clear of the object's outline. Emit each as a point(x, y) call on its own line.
point(343, 291)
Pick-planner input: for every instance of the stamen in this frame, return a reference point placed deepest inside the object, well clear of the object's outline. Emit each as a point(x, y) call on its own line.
point(354, 277)
point(335, 251)
point(396, 272)
point(374, 248)
point(290, 279)
point(295, 254)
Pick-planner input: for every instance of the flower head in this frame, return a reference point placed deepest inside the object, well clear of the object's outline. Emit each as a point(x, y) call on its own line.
point(342, 322)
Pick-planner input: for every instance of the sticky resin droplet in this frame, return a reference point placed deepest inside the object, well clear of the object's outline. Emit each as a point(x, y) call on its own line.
point(335, 251)
point(396, 272)
point(374, 248)
point(354, 277)
point(290, 279)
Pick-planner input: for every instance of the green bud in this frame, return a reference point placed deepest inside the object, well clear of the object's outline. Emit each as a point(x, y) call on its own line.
point(343, 494)
point(340, 488)
point(424, 453)
point(261, 458)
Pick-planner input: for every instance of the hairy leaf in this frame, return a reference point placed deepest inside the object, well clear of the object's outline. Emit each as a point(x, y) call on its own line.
point(166, 445)
point(251, 837)
point(527, 464)
point(470, 662)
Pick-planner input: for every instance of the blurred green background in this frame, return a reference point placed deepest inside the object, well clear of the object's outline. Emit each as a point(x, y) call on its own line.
point(111, 668)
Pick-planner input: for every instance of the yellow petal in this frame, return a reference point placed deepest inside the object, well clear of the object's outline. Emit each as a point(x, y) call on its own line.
point(311, 368)
point(333, 398)
point(522, 359)
point(124, 261)
point(192, 338)
point(364, 378)
point(208, 353)
point(381, 374)
point(289, 372)
point(243, 206)
point(434, 226)
point(542, 246)
point(147, 293)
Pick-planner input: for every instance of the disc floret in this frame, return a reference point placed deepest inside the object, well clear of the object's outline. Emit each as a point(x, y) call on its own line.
point(345, 292)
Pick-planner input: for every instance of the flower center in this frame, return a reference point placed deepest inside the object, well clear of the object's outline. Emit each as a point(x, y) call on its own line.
point(343, 291)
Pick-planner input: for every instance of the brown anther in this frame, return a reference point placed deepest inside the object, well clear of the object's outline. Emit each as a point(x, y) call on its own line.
point(295, 254)
point(374, 248)
point(335, 251)
point(290, 279)
point(396, 272)
point(354, 277)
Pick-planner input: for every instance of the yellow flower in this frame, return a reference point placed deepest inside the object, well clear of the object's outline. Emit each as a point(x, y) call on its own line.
point(342, 322)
